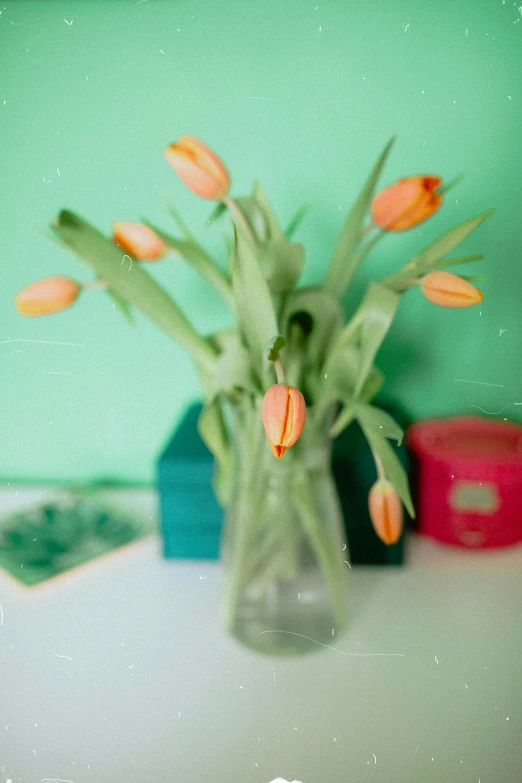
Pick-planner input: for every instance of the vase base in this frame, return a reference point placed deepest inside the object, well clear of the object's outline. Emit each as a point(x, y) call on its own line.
point(299, 630)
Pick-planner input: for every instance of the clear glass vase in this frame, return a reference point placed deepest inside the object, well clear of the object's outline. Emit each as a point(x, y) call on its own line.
point(283, 545)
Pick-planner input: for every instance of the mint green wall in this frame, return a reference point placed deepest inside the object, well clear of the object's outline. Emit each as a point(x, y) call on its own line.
point(303, 95)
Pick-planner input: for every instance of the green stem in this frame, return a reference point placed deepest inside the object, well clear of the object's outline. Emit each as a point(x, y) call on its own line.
point(445, 187)
point(322, 404)
point(220, 282)
point(240, 219)
point(366, 229)
point(280, 373)
point(179, 220)
point(280, 540)
point(270, 541)
point(191, 251)
point(98, 283)
point(401, 287)
point(245, 510)
point(344, 337)
point(289, 532)
point(211, 270)
point(403, 276)
point(357, 258)
point(325, 549)
point(275, 568)
point(294, 355)
point(345, 418)
point(378, 464)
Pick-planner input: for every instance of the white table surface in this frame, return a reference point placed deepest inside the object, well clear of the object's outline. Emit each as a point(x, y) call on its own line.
point(119, 671)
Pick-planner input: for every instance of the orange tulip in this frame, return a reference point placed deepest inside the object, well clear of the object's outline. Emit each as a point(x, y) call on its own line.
point(139, 241)
point(385, 511)
point(449, 290)
point(406, 203)
point(284, 414)
point(198, 167)
point(47, 296)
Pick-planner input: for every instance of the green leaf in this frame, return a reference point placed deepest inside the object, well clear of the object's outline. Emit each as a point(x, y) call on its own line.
point(200, 260)
point(274, 346)
point(253, 216)
point(346, 416)
point(179, 220)
point(123, 306)
point(396, 281)
point(372, 385)
point(51, 237)
point(320, 316)
point(216, 213)
point(342, 373)
point(212, 430)
point(281, 263)
point(377, 419)
point(223, 340)
point(378, 307)
point(342, 266)
point(342, 377)
point(343, 387)
point(182, 247)
point(296, 363)
point(257, 319)
point(296, 221)
point(454, 261)
point(367, 328)
point(130, 282)
point(346, 337)
point(443, 245)
point(474, 278)
point(445, 187)
point(233, 368)
point(392, 467)
point(273, 227)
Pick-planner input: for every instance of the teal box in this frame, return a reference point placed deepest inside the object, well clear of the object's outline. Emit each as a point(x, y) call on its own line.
point(192, 519)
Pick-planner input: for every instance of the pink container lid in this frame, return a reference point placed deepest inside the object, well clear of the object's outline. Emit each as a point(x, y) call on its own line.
point(466, 439)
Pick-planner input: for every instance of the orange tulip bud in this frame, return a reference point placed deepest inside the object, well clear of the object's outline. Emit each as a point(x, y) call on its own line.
point(47, 296)
point(406, 203)
point(139, 241)
point(449, 290)
point(284, 414)
point(198, 167)
point(385, 511)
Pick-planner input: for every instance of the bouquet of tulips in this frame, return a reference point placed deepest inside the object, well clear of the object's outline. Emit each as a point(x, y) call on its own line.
point(290, 347)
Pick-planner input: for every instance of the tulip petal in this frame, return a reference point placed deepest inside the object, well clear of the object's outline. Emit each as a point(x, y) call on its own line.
point(46, 296)
point(198, 167)
point(139, 241)
point(449, 290)
point(283, 412)
point(205, 157)
point(295, 419)
point(390, 204)
point(406, 203)
point(273, 411)
point(277, 451)
point(432, 182)
point(196, 179)
point(422, 209)
point(385, 511)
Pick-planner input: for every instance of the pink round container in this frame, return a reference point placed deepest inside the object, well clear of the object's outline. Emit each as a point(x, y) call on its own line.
point(469, 481)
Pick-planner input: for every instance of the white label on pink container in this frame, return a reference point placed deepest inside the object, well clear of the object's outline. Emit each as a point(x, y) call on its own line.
point(479, 497)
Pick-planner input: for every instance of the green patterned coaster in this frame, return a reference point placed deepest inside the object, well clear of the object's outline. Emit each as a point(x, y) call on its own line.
point(46, 540)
